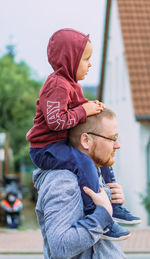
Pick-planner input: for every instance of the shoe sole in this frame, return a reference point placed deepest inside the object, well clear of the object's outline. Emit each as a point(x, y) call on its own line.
point(122, 221)
point(115, 238)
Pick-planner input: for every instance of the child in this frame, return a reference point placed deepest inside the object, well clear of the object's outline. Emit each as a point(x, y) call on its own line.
point(61, 105)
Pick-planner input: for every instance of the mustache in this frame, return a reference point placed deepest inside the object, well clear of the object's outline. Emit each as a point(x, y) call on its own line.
point(98, 161)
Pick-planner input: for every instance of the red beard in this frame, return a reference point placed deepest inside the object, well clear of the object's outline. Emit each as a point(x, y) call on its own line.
point(99, 162)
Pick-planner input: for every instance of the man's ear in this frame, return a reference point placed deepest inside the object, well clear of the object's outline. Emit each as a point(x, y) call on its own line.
point(85, 141)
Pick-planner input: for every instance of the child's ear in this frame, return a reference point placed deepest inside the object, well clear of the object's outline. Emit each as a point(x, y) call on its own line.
point(86, 141)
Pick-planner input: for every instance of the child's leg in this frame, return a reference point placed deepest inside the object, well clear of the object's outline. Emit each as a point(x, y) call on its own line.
point(108, 174)
point(87, 176)
point(82, 166)
point(61, 155)
point(120, 214)
point(115, 232)
point(51, 156)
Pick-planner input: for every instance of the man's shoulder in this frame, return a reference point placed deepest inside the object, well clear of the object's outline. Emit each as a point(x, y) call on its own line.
point(63, 173)
point(56, 186)
point(58, 177)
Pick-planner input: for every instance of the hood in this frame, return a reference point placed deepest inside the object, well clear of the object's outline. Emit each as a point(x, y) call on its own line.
point(65, 49)
point(38, 177)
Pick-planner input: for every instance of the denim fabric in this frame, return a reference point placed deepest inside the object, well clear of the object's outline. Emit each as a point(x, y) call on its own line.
point(67, 232)
point(108, 174)
point(102, 183)
point(61, 155)
point(109, 177)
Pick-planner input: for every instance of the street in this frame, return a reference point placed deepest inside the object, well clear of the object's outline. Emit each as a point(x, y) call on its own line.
point(35, 256)
point(21, 256)
point(22, 243)
point(139, 257)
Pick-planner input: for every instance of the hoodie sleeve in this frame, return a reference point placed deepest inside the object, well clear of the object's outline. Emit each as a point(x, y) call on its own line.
point(55, 107)
point(67, 232)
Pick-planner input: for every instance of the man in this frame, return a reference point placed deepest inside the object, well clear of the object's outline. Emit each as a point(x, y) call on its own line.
point(67, 232)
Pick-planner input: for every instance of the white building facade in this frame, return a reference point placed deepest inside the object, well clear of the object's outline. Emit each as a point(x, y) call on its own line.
point(132, 166)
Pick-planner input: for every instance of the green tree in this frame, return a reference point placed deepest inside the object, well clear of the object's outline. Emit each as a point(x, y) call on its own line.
point(90, 92)
point(89, 95)
point(18, 94)
point(146, 199)
point(11, 50)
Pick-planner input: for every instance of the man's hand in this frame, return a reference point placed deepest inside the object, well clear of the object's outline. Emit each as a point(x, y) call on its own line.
point(117, 195)
point(93, 107)
point(99, 199)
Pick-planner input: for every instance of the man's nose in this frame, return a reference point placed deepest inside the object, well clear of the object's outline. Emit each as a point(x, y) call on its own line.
point(117, 144)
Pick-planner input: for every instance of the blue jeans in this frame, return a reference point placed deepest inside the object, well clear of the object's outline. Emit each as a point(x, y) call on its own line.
point(109, 177)
point(61, 155)
point(108, 174)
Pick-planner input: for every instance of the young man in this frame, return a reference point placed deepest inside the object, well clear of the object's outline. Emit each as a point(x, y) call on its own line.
point(67, 231)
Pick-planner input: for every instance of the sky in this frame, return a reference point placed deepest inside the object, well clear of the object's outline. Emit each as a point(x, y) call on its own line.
point(29, 24)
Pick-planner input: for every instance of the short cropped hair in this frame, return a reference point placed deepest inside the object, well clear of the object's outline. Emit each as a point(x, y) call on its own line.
point(93, 123)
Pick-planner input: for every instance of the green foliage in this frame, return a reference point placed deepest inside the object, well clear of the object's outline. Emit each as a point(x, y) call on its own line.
point(18, 94)
point(89, 93)
point(10, 50)
point(146, 199)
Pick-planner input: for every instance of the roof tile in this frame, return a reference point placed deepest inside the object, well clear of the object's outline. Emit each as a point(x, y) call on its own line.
point(135, 24)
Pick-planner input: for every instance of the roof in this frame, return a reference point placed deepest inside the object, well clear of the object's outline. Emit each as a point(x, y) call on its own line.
point(135, 26)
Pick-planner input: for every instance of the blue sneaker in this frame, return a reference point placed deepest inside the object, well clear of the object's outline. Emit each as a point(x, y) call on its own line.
point(114, 232)
point(123, 216)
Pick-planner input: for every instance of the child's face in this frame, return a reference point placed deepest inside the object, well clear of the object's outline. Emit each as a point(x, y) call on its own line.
point(84, 64)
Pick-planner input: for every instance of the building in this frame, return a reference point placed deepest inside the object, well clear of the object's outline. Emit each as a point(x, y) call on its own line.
point(125, 88)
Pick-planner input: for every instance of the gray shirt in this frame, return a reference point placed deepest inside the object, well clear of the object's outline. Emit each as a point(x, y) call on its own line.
point(67, 232)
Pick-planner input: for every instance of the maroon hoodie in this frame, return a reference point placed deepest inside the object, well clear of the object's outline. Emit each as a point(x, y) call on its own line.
point(59, 106)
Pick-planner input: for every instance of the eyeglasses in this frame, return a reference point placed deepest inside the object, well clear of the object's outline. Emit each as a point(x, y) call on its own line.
point(98, 135)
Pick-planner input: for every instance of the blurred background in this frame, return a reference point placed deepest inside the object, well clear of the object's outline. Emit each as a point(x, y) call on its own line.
point(25, 31)
point(119, 76)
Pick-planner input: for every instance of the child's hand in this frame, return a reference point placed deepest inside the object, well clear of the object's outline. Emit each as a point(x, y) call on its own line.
point(99, 199)
point(92, 107)
point(99, 103)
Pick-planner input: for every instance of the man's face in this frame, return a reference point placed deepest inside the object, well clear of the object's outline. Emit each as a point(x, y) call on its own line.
point(84, 64)
point(102, 151)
